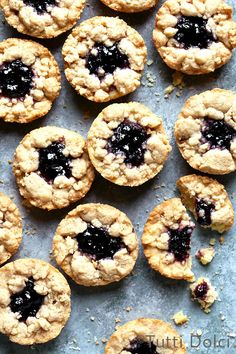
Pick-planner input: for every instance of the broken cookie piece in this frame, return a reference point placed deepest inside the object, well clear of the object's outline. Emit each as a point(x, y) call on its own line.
point(204, 293)
point(205, 255)
point(180, 318)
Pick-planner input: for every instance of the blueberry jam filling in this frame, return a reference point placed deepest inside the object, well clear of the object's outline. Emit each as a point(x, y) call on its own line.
point(16, 79)
point(41, 6)
point(204, 209)
point(193, 32)
point(27, 302)
point(217, 133)
point(179, 242)
point(103, 60)
point(201, 290)
point(129, 139)
point(96, 243)
point(138, 346)
point(53, 162)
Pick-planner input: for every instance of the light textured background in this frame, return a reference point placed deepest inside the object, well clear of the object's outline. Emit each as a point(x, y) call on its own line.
point(147, 292)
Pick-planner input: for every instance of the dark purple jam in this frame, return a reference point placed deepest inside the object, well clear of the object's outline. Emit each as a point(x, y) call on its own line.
point(138, 346)
point(217, 133)
point(201, 290)
point(179, 242)
point(204, 209)
point(41, 6)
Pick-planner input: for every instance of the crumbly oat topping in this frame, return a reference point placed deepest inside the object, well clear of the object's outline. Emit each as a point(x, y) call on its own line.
point(10, 228)
point(170, 214)
point(194, 60)
point(63, 190)
point(53, 313)
point(84, 269)
point(46, 81)
point(130, 6)
point(194, 187)
point(112, 166)
point(108, 31)
point(216, 105)
point(205, 255)
point(209, 296)
point(47, 24)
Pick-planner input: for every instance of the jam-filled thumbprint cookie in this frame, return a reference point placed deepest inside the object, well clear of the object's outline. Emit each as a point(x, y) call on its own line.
point(52, 168)
point(29, 80)
point(167, 240)
point(104, 58)
point(130, 6)
point(34, 301)
point(127, 144)
point(204, 293)
point(195, 36)
point(205, 131)
point(145, 336)
point(95, 244)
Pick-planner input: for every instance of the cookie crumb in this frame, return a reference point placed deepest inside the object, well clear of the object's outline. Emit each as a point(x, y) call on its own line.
point(205, 255)
point(212, 242)
point(180, 318)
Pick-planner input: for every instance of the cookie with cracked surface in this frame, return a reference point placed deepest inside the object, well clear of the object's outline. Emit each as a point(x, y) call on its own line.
point(29, 80)
point(10, 228)
point(145, 335)
point(104, 58)
point(203, 292)
point(95, 244)
point(167, 240)
point(52, 168)
point(42, 18)
point(205, 131)
point(34, 301)
point(208, 200)
point(195, 36)
point(127, 144)
point(130, 6)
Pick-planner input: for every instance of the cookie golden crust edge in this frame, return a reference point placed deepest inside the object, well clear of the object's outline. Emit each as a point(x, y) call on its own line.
point(130, 7)
point(145, 329)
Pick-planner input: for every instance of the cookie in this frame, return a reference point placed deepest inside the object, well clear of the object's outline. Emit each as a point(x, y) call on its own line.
point(208, 200)
point(10, 228)
point(29, 80)
point(195, 36)
point(145, 335)
point(206, 131)
point(167, 240)
point(34, 301)
point(130, 6)
point(95, 244)
point(127, 144)
point(44, 18)
point(205, 255)
point(104, 58)
point(52, 168)
point(203, 292)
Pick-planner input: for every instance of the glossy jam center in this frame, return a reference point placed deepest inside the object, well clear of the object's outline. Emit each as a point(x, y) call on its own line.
point(98, 244)
point(27, 302)
point(129, 139)
point(201, 290)
point(193, 32)
point(204, 209)
point(217, 133)
point(179, 242)
point(53, 162)
point(103, 60)
point(16, 79)
point(41, 6)
point(141, 347)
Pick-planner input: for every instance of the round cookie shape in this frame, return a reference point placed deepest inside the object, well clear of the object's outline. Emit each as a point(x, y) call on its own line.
point(42, 18)
point(95, 244)
point(127, 144)
point(29, 80)
point(10, 228)
point(131, 6)
point(34, 301)
point(195, 36)
point(52, 168)
point(166, 240)
point(208, 200)
point(206, 131)
point(145, 335)
point(104, 58)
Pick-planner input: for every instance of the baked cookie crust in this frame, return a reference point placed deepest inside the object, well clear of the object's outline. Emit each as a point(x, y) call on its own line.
point(130, 6)
point(205, 131)
point(10, 228)
point(53, 312)
point(158, 247)
point(83, 266)
point(40, 22)
point(89, 75)
point(128, 167)
point(45, 85)
point(63, 189)
point(145, 330)
point(205, 56)
point(194, 189)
